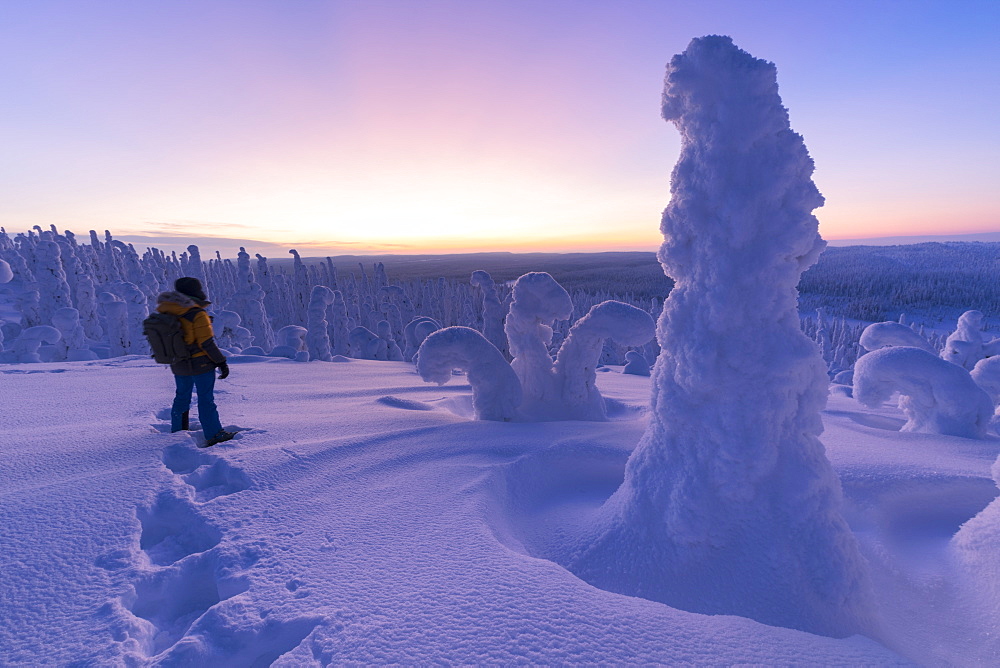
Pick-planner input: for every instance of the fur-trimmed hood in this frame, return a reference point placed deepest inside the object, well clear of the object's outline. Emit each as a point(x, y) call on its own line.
point(174, 297)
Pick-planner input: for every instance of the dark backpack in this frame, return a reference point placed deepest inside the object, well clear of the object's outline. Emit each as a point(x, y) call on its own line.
point(166, 337)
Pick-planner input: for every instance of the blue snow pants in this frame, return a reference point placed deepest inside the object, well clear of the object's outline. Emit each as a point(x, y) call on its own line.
point(207, 411)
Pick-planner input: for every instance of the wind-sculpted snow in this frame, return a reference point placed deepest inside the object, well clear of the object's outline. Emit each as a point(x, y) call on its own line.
point(494, 311)
point(318, 335)
point(881, 334)
point(966, 346)
point(388, 349)
point(563, 390)
point(576, 363)
point(415, 332)
point(228, 332)
point(496, 390)
point(73, 341)
point(26, 345)
point(986, 373)
point(636, 364)
point(365, 343)
point(938, 397)
point(729, 489)
point(290, 341)
point(538, 301)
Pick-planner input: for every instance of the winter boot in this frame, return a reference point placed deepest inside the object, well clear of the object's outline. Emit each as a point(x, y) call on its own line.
point(221, 437)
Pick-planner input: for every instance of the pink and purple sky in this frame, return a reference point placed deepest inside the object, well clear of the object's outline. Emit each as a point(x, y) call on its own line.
point(354, 126)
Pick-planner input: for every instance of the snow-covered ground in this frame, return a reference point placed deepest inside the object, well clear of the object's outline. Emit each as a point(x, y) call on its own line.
point(362, 517)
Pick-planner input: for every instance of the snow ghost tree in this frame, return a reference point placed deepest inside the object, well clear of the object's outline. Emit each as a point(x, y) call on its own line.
point(225, 325)
point(86, 304)
point(414, 334)
point(319, 334)
point(882, 334)
point(964, 346)
point(73, 342)
point(290, 340)
point(115, 314)
point(986, 374)
point(25, 348)
point(364, 343)
point(538, 301)
point(51, 279)
point(493, 311)
point(496, 391)
point(5, 277)
point(636, 364)
point(136, 310)
point(938, 397)
point(729, 505)
point(389, 345)
point(576, 364)
point(339, 330)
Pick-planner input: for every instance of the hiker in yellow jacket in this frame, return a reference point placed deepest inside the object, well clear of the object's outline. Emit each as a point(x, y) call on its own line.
point(187, 301)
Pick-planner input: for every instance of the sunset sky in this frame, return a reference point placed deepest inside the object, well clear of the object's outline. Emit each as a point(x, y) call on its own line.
point(351, 126)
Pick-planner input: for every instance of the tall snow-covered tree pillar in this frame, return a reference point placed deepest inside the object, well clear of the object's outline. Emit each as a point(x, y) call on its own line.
point(729, 505)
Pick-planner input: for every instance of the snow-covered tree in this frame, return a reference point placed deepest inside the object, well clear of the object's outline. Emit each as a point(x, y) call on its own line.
point(318, 337)
point(5, 276)
point(729, 505)
point(882, 334)
point(53, 289)
point(414, 334)
point(26, 346)
point(290, 341)
point(986, 373)
point(114, 323)
point(496, 390)
point(575, 367)
point(494, 312)
point(389, 346)
point(364, 343)
point(339, 329)
point(964, 346)
point(636, 364)
point(937, 397)
point(73, 342)
point(226, 325)
point(538, 301)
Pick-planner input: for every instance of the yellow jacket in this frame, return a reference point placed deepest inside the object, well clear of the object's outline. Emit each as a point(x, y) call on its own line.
point(198, 333)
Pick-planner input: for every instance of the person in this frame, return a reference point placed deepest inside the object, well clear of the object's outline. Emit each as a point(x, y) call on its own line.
point(187, 301)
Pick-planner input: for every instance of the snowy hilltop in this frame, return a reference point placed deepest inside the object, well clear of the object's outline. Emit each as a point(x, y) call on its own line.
point(475, 472)
point(361, 516)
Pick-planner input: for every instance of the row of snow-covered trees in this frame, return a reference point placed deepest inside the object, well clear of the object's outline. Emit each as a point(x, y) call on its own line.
point(876, 283)
point(840, 340)
point(76, 300)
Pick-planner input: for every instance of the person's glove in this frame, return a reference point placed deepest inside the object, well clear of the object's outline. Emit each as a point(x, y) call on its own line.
point(223, 370)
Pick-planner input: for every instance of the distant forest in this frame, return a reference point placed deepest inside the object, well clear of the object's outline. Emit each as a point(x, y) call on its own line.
point(870, 283)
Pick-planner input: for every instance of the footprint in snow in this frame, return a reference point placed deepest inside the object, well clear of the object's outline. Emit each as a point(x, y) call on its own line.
point(172, 529)
point(208, 475)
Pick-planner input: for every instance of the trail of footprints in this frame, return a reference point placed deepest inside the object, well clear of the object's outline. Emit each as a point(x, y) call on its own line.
point(185, 570)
